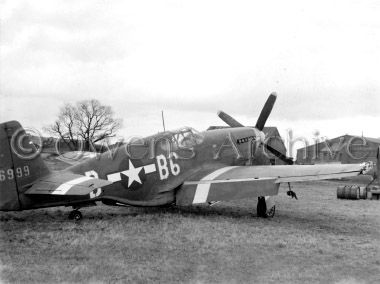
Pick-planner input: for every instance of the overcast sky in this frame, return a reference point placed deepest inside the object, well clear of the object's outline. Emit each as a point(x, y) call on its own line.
point(192, 58)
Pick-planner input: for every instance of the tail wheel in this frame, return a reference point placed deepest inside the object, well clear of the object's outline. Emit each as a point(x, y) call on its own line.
point(75, 215)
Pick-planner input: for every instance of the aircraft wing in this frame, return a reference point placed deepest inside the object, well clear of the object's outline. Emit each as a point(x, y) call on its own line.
point(66, 184)
point(236, 182)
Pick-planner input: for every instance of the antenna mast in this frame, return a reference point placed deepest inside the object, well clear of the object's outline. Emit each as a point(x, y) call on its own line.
point(163, 120)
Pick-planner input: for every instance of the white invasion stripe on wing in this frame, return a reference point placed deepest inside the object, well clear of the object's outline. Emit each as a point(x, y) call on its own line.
point(202, 189)
point(65, 187)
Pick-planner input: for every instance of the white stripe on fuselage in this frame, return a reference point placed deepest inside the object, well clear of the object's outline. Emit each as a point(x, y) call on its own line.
point(65, 187)
point(202, 189)
point(150, 168)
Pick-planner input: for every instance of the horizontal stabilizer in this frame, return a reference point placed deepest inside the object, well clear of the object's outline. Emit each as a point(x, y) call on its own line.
point(66, 184)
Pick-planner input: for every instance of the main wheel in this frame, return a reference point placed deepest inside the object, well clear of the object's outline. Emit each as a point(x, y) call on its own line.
point(271, 212)
point(261, 207)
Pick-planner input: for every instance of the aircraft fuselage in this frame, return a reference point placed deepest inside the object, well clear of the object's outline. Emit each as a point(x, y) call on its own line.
point(147, 172)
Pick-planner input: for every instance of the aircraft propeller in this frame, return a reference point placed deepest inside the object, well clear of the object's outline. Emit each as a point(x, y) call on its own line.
point(265, 112)
point(229, 119)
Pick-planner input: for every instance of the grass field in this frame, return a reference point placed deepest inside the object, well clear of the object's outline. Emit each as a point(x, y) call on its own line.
point(317, 239)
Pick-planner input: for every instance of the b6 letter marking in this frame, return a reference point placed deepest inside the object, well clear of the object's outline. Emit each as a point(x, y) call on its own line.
point(164, 169)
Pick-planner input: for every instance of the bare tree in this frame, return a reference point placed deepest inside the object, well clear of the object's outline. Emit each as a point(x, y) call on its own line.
point(88, 121)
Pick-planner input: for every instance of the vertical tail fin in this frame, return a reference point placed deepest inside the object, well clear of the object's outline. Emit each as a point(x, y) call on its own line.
point(20, 164)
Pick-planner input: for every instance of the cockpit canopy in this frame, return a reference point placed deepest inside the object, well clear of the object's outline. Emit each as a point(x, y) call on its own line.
point(179, 141)
point(186, 137)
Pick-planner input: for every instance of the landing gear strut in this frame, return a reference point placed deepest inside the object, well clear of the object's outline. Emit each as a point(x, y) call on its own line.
point(75, 215)
point(262, 207)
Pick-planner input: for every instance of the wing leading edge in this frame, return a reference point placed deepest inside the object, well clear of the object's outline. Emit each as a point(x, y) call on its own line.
point(239, 182)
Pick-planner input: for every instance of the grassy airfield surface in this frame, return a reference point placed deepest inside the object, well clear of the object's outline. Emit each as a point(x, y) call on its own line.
point(317, 239)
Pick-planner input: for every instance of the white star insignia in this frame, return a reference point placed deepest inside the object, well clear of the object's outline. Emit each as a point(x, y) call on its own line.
point(132, 173)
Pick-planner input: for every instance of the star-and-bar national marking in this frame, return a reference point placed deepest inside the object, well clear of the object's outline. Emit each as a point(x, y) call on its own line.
point(132, 173)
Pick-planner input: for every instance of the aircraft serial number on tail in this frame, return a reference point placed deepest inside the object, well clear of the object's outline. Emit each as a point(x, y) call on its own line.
point(10, 174)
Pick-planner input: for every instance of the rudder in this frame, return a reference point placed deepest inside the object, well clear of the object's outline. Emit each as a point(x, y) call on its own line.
point(20, 164)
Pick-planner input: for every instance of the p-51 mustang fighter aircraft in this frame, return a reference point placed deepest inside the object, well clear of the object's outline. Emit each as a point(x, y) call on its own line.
point(181, 167)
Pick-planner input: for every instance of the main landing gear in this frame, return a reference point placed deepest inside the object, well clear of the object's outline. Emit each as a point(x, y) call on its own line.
point(266, 207)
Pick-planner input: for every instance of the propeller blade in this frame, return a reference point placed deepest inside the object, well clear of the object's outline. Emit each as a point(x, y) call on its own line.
point(265, 112)
point(279, 155)
point(229, 119)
